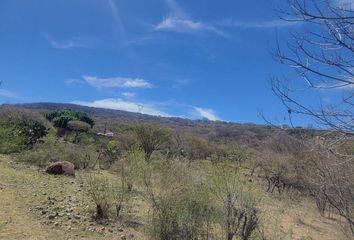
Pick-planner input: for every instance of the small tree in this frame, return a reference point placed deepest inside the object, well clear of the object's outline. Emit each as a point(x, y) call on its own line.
point(78, 127)
point(61, 118)
point(240, 215)
point(99, 190)
point(152, 138)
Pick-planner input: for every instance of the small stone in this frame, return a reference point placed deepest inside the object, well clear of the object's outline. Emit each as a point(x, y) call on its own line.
point(124, 237)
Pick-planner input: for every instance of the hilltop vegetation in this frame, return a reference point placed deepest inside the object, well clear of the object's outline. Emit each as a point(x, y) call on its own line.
point(160, 178)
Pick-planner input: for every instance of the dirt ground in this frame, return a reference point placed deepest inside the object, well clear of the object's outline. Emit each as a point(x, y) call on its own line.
point(34, 205)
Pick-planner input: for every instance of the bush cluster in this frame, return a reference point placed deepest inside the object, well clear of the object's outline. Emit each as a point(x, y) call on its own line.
point(61, 118)
point(20, 129)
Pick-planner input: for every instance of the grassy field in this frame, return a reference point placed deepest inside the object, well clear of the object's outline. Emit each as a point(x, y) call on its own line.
point(35, 205)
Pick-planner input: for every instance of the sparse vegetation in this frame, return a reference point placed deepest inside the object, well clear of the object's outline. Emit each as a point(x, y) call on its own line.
point(152, 138)
point(99, 190)
point(240, 216)
point(189, 186)
point(20, 129)
point(70, 171)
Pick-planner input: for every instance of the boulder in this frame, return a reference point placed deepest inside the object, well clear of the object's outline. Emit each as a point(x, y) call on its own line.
point(61, 168)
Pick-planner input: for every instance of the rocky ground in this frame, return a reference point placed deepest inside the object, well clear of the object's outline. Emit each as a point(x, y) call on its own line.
point(35, 205)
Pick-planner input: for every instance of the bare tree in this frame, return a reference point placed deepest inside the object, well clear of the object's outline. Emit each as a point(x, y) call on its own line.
point(322, 57)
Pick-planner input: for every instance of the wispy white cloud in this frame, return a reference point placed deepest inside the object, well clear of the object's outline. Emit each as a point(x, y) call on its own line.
point(128, 94)
point(117, 17)
point(184, 25)
point(130, 106)
point(65, 45)
point(8, 93)
point(175, 8)
point(279, 23)
point(178, 21)
point(73, 42)
point(206, 113)
point(73, 81)
point(117, 82)
point(152, 108)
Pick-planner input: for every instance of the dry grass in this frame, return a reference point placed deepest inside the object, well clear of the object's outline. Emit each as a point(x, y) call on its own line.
point(300, 219)
point(28, 197)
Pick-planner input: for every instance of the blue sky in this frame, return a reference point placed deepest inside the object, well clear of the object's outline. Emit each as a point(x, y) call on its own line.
point(194, 59)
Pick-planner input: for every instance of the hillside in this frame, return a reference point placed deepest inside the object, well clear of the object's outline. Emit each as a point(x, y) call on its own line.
point(246, 135)
point(162, 178)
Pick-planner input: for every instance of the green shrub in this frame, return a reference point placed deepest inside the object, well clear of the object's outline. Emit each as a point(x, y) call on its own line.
point(105, 194)
point(32, 132)
point(240, 215)
point(198, 148)
point(61, 118)
point(20, 129)
point(181, 209)
point(83, 157)
point(10, 141)
point(39, 156)
point(99, 189)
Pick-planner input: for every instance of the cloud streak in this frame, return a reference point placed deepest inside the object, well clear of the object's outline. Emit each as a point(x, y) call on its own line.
point(117, 17)
point(124, 105)
point(8, 93)
point(66, 45)
point(117, 82)
point(73, 81)
point(179, 22)
point(151, 108)
point(184, 25)
point(128, 94)
point(72, 42)
point(279, 23)
point(206, 113)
